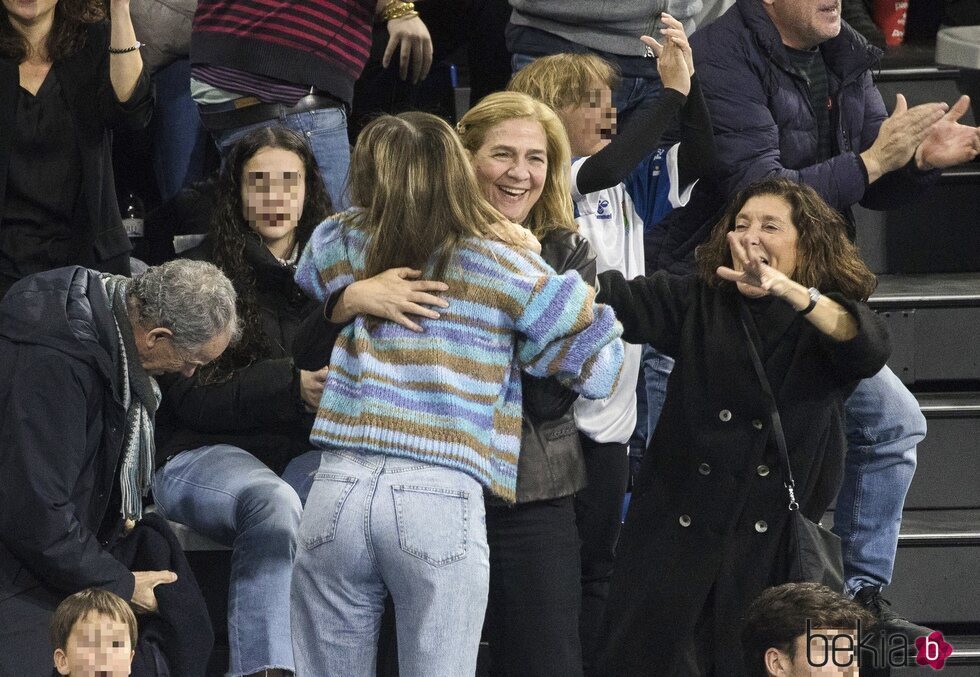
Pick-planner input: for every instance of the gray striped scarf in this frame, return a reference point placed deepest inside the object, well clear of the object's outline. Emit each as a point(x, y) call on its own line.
point(140, 395)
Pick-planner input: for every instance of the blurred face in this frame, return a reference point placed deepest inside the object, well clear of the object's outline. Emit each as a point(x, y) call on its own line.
point(98, 646)
point(512, 166)
point(160, 355)
point(803, 24)
point(273, 191)
point(592, 124)
point(765, 227)
point(30, 11)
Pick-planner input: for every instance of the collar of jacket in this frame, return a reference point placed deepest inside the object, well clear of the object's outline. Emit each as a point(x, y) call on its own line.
point(847, 56)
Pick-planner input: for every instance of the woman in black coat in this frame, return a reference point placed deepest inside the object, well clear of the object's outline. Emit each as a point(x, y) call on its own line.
point(705, 532)
point(66, 79)
point(237, 422)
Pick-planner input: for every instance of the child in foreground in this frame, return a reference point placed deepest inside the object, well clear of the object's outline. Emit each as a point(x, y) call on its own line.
point(94, 634)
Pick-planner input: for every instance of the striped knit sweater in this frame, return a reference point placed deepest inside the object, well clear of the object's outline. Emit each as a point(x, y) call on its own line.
point(315, 43)
point(451, 395)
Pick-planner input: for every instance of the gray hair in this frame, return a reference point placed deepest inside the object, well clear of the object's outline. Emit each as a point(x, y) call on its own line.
point(193, 299)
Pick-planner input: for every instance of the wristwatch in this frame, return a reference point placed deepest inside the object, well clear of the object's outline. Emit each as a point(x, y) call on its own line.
point(814, 297)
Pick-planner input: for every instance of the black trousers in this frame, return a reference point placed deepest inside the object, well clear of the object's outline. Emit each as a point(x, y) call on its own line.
point(535, 596)
point(599, 510)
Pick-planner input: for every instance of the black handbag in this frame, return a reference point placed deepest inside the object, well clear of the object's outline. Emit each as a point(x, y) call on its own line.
point(813, 552)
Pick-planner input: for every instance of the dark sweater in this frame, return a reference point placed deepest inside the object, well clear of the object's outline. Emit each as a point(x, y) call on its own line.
point(317, 43)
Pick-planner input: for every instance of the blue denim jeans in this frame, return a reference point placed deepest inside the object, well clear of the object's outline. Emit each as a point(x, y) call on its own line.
point(884, 425)
point(656, 370)
point(230, 496)
point(179, 139)
point(300, 473)
point(326, 132)
point(375, 524)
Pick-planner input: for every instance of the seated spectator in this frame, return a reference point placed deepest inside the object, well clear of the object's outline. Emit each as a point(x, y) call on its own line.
point(621, 187)
point(416, 425)
point(67, 78)
point(78, 355)
point(776, 636)
point(93, 632)
point(705, 530)
point(237, 422)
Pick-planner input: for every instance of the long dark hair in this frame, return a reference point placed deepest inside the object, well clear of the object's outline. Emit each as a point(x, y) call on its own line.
point(67, 34)
point(230, 231)
point(825, 257)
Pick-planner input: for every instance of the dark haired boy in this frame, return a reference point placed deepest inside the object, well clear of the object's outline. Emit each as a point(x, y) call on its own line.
point(93, 632)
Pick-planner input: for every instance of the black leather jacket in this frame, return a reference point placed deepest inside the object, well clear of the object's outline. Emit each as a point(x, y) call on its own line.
point(551, 463)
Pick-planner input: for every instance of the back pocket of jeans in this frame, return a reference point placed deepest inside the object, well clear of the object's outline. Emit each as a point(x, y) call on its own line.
point(433, 523)
point(323, 508)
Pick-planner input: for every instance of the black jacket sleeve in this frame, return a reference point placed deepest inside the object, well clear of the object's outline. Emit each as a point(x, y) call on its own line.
point(639, 138)
point(651, 308)
point(696, 155)
point(864, 355)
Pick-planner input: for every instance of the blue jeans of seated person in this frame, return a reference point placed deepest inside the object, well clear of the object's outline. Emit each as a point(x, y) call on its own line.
point(230, 496)
point(656, 371)
point(179, 139)
point(375, 524)
point(884, 425)
point(301, 471)
point(326, 132)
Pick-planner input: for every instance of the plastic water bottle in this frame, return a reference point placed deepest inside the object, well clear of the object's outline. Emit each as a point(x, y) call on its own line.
point(133, 215)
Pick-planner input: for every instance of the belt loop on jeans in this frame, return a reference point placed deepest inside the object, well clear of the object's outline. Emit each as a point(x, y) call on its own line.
point(248, 110)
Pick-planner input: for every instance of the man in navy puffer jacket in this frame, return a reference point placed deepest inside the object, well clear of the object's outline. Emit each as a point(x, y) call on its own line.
point(790, 93)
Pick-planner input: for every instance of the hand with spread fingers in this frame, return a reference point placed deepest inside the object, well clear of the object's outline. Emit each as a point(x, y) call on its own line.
point(392, 295)
point(752, 272)
point(948, 142)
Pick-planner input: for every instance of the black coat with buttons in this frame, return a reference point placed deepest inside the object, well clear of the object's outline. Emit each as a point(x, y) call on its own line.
point(705, 530)
point(259, 408)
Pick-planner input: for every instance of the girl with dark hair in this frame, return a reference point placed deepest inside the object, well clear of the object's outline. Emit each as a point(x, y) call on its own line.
point(706, 527)
point(67, 76)
point(239, 420)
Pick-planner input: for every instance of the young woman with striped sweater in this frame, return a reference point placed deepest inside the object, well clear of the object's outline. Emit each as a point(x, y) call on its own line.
point(415, 426)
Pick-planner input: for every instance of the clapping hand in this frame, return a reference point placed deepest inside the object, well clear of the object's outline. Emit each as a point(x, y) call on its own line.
point(947, 142)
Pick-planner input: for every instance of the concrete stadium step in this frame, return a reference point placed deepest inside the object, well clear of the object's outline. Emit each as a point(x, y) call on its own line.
point(948, 473)
point(934, 321)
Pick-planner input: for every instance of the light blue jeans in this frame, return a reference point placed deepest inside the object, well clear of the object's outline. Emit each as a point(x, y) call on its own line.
point(375, 524)
point(884, 425)
point(230, 496)
point(326, 132)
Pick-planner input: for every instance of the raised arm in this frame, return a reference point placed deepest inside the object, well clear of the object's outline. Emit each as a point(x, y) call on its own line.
point(642, 135)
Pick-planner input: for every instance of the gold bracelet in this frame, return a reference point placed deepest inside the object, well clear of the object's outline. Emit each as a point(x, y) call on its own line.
point(397, 9)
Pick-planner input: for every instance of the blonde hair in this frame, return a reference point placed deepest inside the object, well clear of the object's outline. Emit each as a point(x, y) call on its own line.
point(554, 209)
point(563, 80)
point(419, 193)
